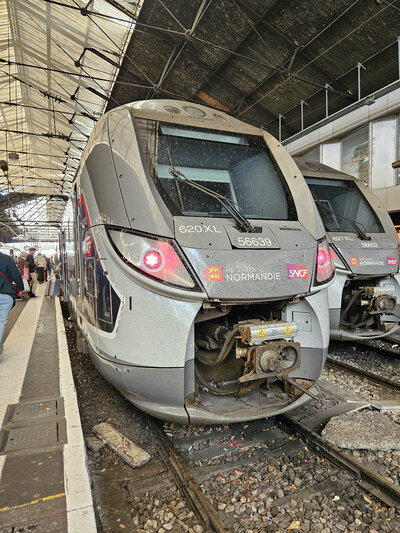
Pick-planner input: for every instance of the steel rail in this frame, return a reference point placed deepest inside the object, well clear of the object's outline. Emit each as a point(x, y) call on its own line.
point(195, 497)
point(380, 380)
point(380, 349)
point(365, 476)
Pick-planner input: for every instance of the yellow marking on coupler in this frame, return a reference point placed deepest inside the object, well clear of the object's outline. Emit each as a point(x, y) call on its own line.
point(261, 333)
point(288, 329)
point(44, 499)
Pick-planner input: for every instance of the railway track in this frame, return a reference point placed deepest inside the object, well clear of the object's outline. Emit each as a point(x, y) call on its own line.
point(268, 436)
point(365, 476)
point(356, 370)
point(195, 473)
point(185, 457)
point(186, 483)
point(380, 349)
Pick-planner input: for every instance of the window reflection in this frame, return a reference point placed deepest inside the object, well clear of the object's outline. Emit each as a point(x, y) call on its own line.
point(355, 154)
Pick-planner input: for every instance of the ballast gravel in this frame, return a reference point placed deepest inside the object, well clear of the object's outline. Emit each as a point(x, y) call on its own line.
point(296, 491)
point(387, 366)
point(277, 495)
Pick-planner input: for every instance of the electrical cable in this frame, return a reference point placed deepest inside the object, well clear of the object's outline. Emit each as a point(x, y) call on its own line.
point(200, 14)
point(179, 47)
point(121, 53)
point(25, 152)
point(215, 390)
point(58, 136)
point(78, 101)
point(31, 166)
point(69, 73)
point(172, 15)
point(83, 69)
point(336, 80)
point(254, 27)
point(89, 12)
point(331, 24)
point(317, 57)
point(47, 110)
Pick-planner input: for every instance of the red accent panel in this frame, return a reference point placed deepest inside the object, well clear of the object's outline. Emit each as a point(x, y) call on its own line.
point(85, 209)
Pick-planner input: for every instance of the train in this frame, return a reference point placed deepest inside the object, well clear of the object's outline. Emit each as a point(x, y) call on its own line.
point(196, 265)
point(364, 297)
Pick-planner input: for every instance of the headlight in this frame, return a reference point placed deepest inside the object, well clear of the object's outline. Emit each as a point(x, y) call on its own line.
point(156, 257)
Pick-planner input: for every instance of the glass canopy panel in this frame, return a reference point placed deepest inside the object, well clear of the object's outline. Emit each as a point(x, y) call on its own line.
point(47, 100)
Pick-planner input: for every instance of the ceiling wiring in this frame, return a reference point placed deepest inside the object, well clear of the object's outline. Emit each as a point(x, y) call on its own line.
point(317, 57)
point(47, 139)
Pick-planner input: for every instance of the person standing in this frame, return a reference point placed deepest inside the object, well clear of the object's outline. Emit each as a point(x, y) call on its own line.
point(8, 274)
point(23, 268)
point(11, 252)
point(47, 269)
point(41, 265)
point(32, 270)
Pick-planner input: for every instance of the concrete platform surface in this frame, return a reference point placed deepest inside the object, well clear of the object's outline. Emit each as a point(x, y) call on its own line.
point(44, 481)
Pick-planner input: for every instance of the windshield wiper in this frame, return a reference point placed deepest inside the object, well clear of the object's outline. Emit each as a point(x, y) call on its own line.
point(356, 225)
point(242, 223)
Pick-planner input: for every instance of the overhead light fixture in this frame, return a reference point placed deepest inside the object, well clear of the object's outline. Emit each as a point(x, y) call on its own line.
point(13, 156)
point(4, 165)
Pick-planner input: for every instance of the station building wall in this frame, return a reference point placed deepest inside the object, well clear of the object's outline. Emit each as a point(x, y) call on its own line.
point(363, 142)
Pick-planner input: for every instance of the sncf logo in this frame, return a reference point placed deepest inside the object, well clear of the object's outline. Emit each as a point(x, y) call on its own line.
point(214, 273)
point(391, 261)
point(354, 260)
point(297, 271)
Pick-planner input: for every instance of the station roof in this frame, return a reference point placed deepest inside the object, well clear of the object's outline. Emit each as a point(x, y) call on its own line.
point(58, 63)
point(258, 59)
point(64, 62)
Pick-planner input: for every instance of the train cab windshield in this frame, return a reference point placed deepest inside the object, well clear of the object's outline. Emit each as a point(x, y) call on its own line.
point(342, 206)
point(234, 165)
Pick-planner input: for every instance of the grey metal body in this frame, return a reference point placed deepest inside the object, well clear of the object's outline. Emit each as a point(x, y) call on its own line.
point(150, 353)
point(377, 259)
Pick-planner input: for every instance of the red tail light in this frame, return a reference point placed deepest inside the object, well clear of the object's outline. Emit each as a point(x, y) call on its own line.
point(322, 257)
point(156, 257)
point(325, 269)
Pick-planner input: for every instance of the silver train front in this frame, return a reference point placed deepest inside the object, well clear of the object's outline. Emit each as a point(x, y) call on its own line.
point(193, 319)
point(364, 299)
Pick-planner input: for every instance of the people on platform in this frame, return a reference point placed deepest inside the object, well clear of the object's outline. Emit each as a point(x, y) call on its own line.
point(22, 263)
point(47, 270)
point(32, 270)
point(41, 264)
point(11, 252)
point(8, 273)
point(23, 268)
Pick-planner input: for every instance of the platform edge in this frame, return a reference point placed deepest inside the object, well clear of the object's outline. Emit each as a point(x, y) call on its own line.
point(80, 510)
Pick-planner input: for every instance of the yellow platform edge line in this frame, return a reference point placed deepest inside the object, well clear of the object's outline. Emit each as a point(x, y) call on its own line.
point(44, 499)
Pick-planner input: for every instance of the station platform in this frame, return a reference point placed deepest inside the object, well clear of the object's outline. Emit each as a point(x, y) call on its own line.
point(44, 481)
